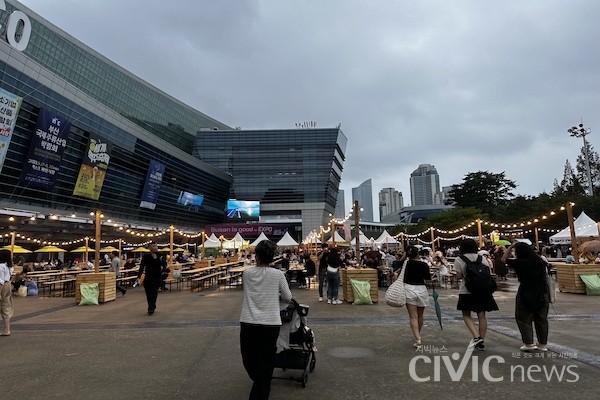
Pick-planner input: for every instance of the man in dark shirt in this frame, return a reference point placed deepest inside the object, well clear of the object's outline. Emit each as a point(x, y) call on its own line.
point(152, 265)
point(322, 257)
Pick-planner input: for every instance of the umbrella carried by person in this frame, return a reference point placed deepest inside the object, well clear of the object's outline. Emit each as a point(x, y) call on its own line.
point(502, 242)
point(438, 309)
point(593, 246)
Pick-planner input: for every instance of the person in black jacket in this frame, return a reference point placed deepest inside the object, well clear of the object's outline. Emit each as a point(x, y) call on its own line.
point(152, 264)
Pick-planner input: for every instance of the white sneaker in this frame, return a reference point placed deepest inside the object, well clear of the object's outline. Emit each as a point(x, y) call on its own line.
point(337, 302)
point(320, 299)
point(328, 301)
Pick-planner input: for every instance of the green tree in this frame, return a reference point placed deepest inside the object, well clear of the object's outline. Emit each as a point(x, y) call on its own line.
point(570, 183)
point(581, 168)
point(483, 190)
point(452, 219)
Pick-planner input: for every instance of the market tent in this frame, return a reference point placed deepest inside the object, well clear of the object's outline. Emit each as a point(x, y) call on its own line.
point(338, 238)
point(385, 237)
point(212, 242)
point(259, 239)
point(237, 242)
point(287, 240)
point(584, 227)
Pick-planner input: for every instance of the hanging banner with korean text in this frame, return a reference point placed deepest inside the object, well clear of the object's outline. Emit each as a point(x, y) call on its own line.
point(154, 177)
point(47, 147)
point(9, 109)
point(93, 168)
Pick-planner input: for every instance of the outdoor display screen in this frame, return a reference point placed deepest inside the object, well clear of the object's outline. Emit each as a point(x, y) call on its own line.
point(242, 209)
point(194, 201)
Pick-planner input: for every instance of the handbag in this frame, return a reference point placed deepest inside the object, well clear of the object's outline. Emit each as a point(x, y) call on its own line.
point(332, 270)
point(395, 296)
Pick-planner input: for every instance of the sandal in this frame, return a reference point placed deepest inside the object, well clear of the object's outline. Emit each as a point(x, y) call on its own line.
point(418, 344)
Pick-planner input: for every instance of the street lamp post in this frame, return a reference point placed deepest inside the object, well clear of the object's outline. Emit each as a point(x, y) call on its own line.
point(581, 131)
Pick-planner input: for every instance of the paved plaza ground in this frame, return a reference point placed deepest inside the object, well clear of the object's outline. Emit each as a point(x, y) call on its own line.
point(190, 349)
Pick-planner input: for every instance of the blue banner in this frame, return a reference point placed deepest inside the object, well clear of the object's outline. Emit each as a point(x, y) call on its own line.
point(9, 109)
point(152, 185)
point(47, 147)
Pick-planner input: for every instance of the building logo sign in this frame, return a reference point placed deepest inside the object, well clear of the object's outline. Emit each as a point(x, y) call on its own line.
point(18, 29)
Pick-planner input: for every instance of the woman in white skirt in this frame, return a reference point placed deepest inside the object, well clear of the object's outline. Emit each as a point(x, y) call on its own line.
point(417, 298)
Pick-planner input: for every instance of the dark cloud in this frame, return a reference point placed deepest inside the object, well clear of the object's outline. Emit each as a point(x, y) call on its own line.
point(463, 85)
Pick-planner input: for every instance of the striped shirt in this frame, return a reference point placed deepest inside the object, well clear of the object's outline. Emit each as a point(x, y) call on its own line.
point(262, 288)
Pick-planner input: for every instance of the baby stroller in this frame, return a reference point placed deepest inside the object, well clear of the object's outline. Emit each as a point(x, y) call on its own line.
point(297, 341)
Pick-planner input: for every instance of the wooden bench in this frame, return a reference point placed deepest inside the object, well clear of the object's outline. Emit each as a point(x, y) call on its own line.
point(68, 286)
point(230, 281)
point(128, 280)
point(202, 279)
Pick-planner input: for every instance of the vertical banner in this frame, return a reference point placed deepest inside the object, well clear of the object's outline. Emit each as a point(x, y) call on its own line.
point(47, 147)
point(93, 168)
point(347, 233)
point(152, 185)
point(9, 109)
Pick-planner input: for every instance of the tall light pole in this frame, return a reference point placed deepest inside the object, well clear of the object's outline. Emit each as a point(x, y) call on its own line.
point(581, 131)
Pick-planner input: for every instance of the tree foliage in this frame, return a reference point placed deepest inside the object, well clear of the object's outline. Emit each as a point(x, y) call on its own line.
point(581, 169)
point(483, 190)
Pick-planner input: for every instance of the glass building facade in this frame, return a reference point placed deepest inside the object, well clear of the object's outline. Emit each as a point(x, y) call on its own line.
point(424, 185)
point(294, 173)
point(59, 74)
point(363, 193)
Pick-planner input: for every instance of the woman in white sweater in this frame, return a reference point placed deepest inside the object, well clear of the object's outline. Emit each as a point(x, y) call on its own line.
point(264, 288)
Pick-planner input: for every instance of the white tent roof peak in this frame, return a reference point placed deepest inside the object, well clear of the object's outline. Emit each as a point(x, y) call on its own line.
point(287, 240)
point(259, 239)
point(584, 227)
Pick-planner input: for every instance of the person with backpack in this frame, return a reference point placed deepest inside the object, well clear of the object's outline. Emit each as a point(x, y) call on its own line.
point(532, 301)
point(476, 289)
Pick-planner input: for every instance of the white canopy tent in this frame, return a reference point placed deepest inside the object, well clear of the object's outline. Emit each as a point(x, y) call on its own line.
point(338, 238)
point(385, 237)
point(259, 239)
point(237, 242)
point(584, 227)
point(287, 240)
point(212, 242)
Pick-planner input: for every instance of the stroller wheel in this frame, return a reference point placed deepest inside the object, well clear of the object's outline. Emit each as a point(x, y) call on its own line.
point(304, 380)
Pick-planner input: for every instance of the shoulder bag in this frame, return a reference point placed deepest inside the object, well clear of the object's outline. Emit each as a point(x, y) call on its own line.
point(395, 296)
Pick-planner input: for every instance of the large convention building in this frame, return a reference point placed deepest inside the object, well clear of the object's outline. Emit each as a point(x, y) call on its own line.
point(79, 133)
point(293, 173)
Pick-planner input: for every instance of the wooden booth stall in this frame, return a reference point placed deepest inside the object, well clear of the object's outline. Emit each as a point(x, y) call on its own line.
point(107, 284)
point(568, 278)
point(359, 274)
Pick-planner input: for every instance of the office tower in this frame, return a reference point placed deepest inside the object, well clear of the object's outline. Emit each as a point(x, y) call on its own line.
point(364, 195)
point(294, 173)
point(424, 185)
point(340, 206)
point(390, 200)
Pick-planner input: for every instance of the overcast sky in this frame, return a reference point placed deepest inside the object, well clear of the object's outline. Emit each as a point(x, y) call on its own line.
point(463, 85)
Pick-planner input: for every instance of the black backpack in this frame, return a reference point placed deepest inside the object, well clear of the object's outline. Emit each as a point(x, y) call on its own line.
point(478, 279)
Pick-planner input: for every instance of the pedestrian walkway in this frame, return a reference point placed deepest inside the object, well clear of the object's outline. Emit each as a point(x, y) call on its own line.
point(190, 349)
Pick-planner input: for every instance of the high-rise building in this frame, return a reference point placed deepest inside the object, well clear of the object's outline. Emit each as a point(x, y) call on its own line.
point(340, 206)
point(424, 185)
point(72, 99)
point(294, 173)
point(364, 195)
point(390, 200)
